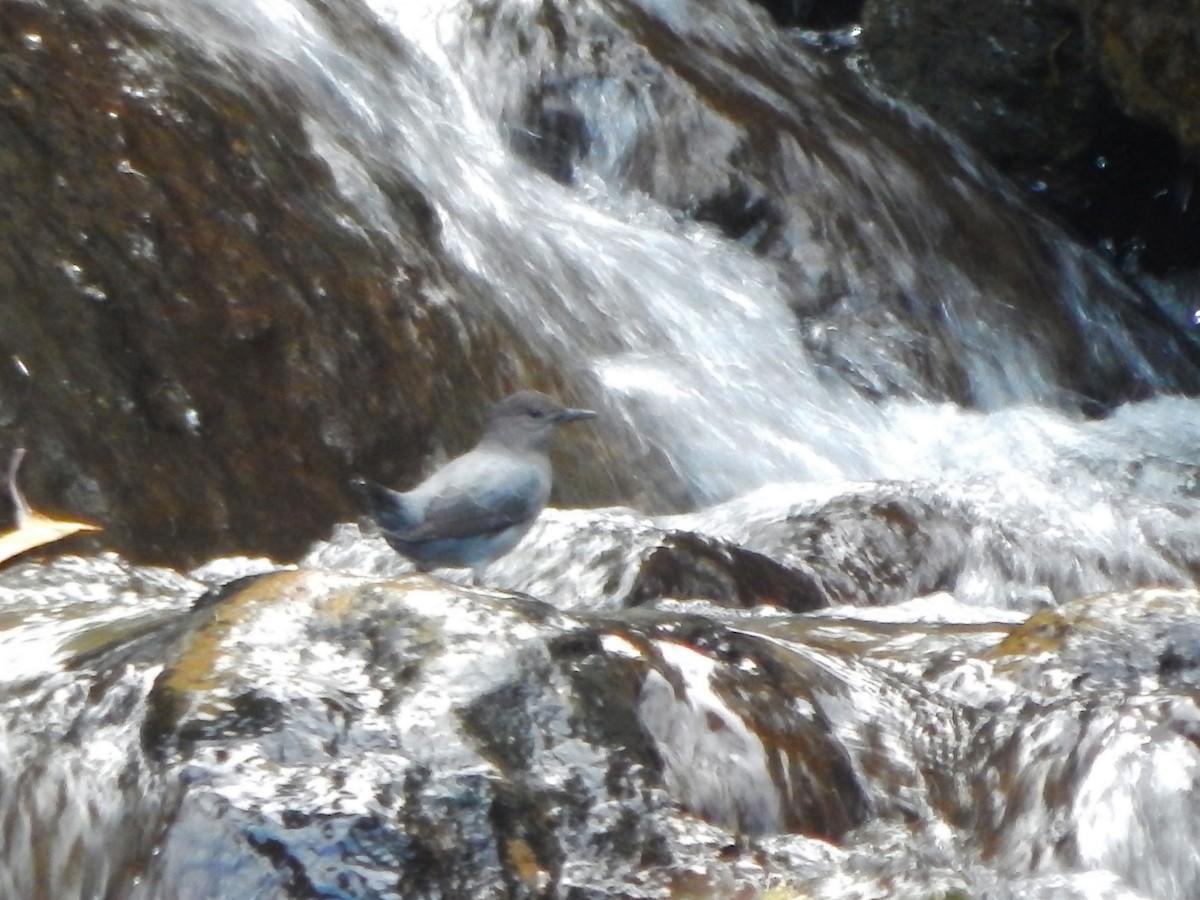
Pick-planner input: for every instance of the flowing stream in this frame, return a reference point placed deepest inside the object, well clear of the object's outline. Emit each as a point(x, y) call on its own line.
point(693, 335)
point(757, 365)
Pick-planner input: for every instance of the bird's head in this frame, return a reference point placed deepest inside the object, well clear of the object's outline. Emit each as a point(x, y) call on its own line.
point(528, 420)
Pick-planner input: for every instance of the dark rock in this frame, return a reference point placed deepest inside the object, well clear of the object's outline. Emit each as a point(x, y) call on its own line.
point(814, 14)
point(1144, 168)
point(1147, 55)
point(690, 565)
point(1086, 104)
point(1014, 80)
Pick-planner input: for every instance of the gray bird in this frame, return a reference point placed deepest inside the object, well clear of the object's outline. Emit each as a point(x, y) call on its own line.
point(478, 506)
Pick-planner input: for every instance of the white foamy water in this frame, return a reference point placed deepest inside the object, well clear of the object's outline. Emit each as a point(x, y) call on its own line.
point(693, 335)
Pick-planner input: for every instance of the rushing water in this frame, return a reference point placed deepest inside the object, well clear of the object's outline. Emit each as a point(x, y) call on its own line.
point(694, 335)
point(734, 356)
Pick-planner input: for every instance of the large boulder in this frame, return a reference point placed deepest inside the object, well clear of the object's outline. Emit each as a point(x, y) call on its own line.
point(1147, 54)
point(201, 339)
point(1090, 105)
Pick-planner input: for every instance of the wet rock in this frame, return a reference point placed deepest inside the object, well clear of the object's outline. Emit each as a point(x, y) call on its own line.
point(1097, 723)
point(603, 560)
point(690, 565)
point(1087, 105)
point(524, 752)
point(761, 139)
point(197, 320)
point(311, 732)
point(1147, 54)
point(1111, 639)
point(391, 738)
point(631, 561)
point(884, 543)
point(1015, 81)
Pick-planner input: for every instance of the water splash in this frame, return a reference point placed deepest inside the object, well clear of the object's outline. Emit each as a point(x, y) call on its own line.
point(695, 336)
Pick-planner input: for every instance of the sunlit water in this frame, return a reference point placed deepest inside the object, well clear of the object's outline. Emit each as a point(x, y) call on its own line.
point(696, 343)
point(691, 333)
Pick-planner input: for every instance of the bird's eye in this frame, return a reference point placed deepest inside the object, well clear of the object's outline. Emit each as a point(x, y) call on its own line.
point(537, 413)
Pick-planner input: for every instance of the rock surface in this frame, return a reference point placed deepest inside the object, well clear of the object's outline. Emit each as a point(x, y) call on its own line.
point(312, 733)
point(201, 340)
point(205, 333)
point(1014, 80)
point(758, 137)
point(381, 739)
point(1090, 105)
point(1147, 55)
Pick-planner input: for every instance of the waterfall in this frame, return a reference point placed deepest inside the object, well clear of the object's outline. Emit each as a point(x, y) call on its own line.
point(697, 337)
point(893, 390)
point(723, 352)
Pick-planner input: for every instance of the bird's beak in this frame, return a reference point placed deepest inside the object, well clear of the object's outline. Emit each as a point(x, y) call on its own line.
point(573, 415)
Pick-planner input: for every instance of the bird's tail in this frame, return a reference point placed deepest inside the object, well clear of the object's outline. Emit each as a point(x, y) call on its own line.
point(387, 507)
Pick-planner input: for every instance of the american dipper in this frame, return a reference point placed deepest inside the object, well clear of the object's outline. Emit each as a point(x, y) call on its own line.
point(478, 506)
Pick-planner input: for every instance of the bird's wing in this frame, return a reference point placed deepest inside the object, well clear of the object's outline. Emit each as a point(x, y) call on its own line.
point(492, 499)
